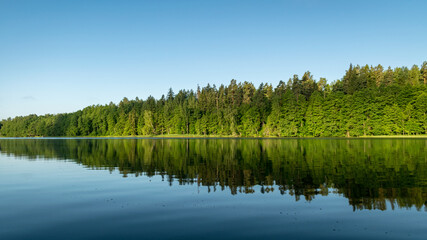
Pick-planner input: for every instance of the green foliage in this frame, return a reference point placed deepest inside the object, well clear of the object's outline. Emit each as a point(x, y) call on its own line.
point(366, 101)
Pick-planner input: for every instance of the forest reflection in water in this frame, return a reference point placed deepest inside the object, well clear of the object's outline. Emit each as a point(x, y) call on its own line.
point(368, 172)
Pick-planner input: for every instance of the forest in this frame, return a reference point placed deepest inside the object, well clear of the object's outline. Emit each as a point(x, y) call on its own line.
point(366, 101)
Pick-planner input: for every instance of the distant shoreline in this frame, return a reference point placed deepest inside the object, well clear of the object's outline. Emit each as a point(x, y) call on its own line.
point(183, 136)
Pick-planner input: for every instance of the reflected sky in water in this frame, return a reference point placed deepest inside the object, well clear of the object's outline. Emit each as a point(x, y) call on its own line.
point(210, 188)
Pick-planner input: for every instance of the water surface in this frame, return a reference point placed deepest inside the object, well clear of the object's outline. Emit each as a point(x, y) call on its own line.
point(210, 188)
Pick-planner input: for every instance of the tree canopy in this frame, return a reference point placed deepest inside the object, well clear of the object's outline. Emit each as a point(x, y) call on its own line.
point(366, 101)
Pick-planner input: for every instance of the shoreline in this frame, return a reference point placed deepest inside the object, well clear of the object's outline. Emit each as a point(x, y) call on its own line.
point(183, 136)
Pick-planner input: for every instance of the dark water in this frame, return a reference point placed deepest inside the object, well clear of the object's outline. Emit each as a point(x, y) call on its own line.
point(213, 188)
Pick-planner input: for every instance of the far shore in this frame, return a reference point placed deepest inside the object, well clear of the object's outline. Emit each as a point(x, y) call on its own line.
point(219, 136)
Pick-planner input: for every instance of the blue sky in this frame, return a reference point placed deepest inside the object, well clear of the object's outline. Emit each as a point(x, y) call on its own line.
point(61, 56)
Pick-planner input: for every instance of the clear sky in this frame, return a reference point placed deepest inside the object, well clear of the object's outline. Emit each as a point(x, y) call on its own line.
point(61, 56)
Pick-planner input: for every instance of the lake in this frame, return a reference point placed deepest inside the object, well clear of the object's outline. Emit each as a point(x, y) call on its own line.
point(83, 188)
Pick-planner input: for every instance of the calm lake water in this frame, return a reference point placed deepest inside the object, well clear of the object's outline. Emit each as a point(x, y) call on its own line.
point(213, 188)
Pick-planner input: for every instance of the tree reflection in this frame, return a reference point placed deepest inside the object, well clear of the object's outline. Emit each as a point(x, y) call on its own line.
point(369, 172)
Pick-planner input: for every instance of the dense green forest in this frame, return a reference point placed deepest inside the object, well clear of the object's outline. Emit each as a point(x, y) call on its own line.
point(365, 171)
point(367, 101)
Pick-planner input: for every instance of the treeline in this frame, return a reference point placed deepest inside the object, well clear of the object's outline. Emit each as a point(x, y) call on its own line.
point(366, 101)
